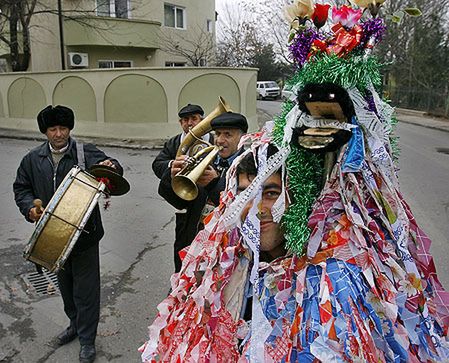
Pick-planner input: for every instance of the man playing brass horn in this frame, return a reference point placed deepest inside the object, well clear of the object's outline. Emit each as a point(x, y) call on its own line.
point(229, 128)
point(189, 116)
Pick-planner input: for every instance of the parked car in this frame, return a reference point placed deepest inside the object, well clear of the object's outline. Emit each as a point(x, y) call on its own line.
point(287, 93)
point(268, 89)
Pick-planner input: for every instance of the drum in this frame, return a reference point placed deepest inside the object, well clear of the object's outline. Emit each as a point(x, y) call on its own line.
point(63, 220)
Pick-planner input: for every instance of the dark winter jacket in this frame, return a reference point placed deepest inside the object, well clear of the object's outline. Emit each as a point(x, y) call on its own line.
point(36, 179)
point(186, 232)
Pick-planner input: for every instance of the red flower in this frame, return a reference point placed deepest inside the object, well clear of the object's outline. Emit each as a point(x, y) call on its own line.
point(320, 14)
point(346, 16)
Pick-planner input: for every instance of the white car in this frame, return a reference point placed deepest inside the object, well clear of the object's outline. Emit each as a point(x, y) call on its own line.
point(268, 89)
point(287, 93)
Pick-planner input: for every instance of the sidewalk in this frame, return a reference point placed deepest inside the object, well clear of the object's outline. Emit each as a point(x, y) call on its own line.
point(418, 118)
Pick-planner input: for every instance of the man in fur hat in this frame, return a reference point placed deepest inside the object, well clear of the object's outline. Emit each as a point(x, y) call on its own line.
point(38, 176)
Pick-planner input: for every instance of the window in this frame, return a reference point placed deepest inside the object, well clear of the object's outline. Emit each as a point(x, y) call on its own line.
point(175, 64)
point(174, 17)
point(113, 8)
point(114, 64)
point(203, 62)
point(209, 26)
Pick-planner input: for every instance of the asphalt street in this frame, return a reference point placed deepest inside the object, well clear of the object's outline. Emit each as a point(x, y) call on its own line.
point(136, 252)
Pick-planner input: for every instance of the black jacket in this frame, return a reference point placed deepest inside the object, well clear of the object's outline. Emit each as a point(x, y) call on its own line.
point(186, 232)
point(35, 179)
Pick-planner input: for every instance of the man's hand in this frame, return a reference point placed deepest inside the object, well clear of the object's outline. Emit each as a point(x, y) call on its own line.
point(35, 213)
point(209, 174)
point(177, 165)
point(108, 162)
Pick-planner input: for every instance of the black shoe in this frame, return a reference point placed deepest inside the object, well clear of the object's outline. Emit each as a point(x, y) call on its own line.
point(87, 353)
point(66, 336)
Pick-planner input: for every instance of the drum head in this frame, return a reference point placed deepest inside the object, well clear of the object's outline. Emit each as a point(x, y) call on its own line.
point(115, 183)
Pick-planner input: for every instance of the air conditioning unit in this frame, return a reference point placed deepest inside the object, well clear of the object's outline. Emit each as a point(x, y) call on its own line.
point(78, 60)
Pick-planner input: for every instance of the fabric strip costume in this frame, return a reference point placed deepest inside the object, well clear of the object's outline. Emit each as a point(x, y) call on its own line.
point(358, 283)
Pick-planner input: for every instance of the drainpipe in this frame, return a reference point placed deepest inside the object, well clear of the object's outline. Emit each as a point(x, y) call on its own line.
point(61, 34)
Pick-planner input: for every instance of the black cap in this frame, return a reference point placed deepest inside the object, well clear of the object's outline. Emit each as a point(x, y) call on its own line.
point(190, 110)
point(55, 116)
point(230, 120)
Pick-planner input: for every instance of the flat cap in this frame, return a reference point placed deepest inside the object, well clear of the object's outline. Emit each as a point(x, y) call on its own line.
point(190, 110)
point(55, 116)
point(230, 120)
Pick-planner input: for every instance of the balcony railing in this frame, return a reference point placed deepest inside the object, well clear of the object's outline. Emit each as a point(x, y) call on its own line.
point(117, 32)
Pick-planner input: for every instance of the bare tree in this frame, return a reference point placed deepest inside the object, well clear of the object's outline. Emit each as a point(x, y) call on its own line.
point(15, 20)
point(16, 16)
point(198, 47)
point(237, 36)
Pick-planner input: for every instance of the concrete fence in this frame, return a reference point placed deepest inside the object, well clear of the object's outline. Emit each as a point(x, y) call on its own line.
point(131, 103)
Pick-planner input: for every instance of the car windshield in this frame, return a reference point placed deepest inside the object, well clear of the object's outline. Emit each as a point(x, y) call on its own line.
point(271, 85)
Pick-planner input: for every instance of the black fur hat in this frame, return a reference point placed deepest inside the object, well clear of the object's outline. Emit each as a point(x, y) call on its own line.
point(55, 116)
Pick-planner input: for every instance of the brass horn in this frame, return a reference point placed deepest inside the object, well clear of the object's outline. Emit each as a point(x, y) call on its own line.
point(203, 127)
point(184, 182)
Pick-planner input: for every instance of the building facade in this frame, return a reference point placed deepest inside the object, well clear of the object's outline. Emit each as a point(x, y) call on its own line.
point(120, 33)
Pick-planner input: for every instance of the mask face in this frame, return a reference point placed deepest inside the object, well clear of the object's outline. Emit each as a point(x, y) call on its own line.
point(330, 109)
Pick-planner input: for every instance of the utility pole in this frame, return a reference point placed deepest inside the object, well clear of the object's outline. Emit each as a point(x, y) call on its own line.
point(61, 34)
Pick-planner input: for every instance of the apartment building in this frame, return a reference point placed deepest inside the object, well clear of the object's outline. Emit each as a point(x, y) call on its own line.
point(120, 33)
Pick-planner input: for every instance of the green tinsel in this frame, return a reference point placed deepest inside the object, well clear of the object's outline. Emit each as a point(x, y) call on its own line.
point(304, 168)
point(346, 72)
point(394, 139)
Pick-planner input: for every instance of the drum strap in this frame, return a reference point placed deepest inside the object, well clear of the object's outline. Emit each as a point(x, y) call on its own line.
point(80, 155)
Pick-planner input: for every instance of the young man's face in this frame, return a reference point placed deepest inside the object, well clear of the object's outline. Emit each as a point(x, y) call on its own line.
point(189, 122)
point(271, 234)
point(228, 139)
point(58, 136)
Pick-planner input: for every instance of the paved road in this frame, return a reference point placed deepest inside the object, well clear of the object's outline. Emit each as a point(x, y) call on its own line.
point(136, 262)
point(136, 252)
point(424, 177)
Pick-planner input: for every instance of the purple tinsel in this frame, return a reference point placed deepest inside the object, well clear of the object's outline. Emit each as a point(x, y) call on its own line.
point(372, 28)
point(300, 47)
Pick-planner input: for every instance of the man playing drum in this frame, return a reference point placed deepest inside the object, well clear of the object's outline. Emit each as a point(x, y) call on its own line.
point(38, 176)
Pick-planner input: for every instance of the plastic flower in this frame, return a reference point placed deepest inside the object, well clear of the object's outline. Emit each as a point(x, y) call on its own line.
point(299, 9)
point(320, 14)
point(346, 16)
point(407, 287)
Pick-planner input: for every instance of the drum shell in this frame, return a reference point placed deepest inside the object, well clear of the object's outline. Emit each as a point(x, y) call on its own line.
point(63, 220)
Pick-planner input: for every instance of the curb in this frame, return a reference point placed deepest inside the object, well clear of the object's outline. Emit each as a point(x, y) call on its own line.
point(125, 144)
point(425, 126)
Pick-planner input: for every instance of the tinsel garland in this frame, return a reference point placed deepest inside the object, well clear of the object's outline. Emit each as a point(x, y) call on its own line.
point(347, 72)
point(304, 170)
point(301, 44)
point(372, 29)
point(394, 139)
